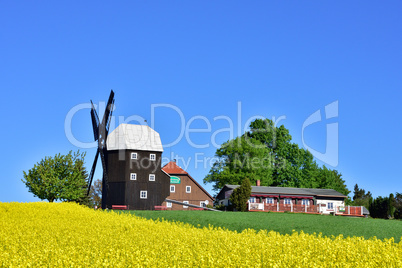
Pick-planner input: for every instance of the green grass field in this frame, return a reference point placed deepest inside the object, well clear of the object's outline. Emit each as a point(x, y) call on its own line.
point(284, 223)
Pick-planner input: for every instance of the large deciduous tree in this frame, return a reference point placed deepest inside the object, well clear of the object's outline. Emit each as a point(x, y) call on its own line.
point(331, 179)
point(238, 159)
point(62, 177)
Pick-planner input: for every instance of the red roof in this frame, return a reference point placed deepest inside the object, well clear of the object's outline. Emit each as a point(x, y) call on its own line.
point(173, 168)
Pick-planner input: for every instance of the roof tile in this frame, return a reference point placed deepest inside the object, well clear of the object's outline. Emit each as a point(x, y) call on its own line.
point(173, 168)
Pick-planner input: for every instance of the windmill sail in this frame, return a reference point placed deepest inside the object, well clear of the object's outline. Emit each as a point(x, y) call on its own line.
point(101, 130)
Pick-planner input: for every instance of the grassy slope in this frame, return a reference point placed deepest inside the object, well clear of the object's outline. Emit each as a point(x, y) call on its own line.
point(284, 223)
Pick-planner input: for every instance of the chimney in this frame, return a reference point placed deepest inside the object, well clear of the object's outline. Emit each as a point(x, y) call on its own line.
point(258, 182)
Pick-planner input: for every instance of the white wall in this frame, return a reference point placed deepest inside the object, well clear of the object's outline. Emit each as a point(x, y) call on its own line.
point(325, 209)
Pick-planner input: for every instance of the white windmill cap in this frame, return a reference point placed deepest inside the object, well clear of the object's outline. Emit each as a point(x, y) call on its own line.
point(134, 137)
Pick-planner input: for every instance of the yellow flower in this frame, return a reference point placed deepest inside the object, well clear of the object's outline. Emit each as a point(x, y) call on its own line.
point(66, 234)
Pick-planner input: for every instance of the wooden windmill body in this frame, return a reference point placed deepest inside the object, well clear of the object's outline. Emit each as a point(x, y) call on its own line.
point(131, 158)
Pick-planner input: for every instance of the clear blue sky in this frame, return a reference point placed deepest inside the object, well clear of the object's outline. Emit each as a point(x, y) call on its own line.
point(206, 59)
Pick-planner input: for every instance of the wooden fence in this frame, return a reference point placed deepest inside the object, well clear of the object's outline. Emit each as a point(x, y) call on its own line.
point(319, 209)
point(283, 207)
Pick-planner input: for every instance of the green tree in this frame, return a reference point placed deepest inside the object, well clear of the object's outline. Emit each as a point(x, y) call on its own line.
point(357, 192)
point(379, 208)
point(292, 166)
point(62, 177)
point(397, 203)
point(391, 206)
point(95, 193)
point(238, 159)
point(331, 179)
point(240, 195)
point(361, 198)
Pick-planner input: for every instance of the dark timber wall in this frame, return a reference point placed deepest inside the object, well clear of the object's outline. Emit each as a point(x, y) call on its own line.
point(124, 191)
point(195, 197)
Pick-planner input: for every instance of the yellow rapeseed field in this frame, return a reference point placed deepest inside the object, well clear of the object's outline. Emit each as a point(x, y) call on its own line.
point(66, 234)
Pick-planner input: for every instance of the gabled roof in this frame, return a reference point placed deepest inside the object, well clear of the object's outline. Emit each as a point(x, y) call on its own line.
point(134, 137)
point(290, 191)
point(173, 169)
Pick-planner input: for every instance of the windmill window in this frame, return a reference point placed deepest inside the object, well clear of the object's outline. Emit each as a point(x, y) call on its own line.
point(188, 189)
point(143, 194)
point(172, 188)
point(152, 157)
point(134, 155)
point(151, 177)
point(185, 202)
point(203, 204)
point(169, 204)
point(133, 176)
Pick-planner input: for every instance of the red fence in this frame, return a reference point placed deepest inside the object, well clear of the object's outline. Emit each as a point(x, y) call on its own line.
point(283, 208)
point(350, 210)
point(338, 210)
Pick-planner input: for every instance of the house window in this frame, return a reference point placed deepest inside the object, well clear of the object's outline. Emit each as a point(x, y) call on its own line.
point(252, 199)
point(270, 200)
point(133, 155)
point(172, 188)
point(287, 201)
point(143, 194)
point(133, 176)
point(169, 204)
point(203, 204)
point(330, 205)
point(185, 202)
point(151, 177)
point(152, 157)
point(305, 202)
point(188, 189)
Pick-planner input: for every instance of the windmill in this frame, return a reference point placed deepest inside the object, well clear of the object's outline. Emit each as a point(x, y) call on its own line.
point(101, 130)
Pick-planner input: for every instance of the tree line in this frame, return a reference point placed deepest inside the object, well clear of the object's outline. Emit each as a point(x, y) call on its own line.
point(388, 207)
